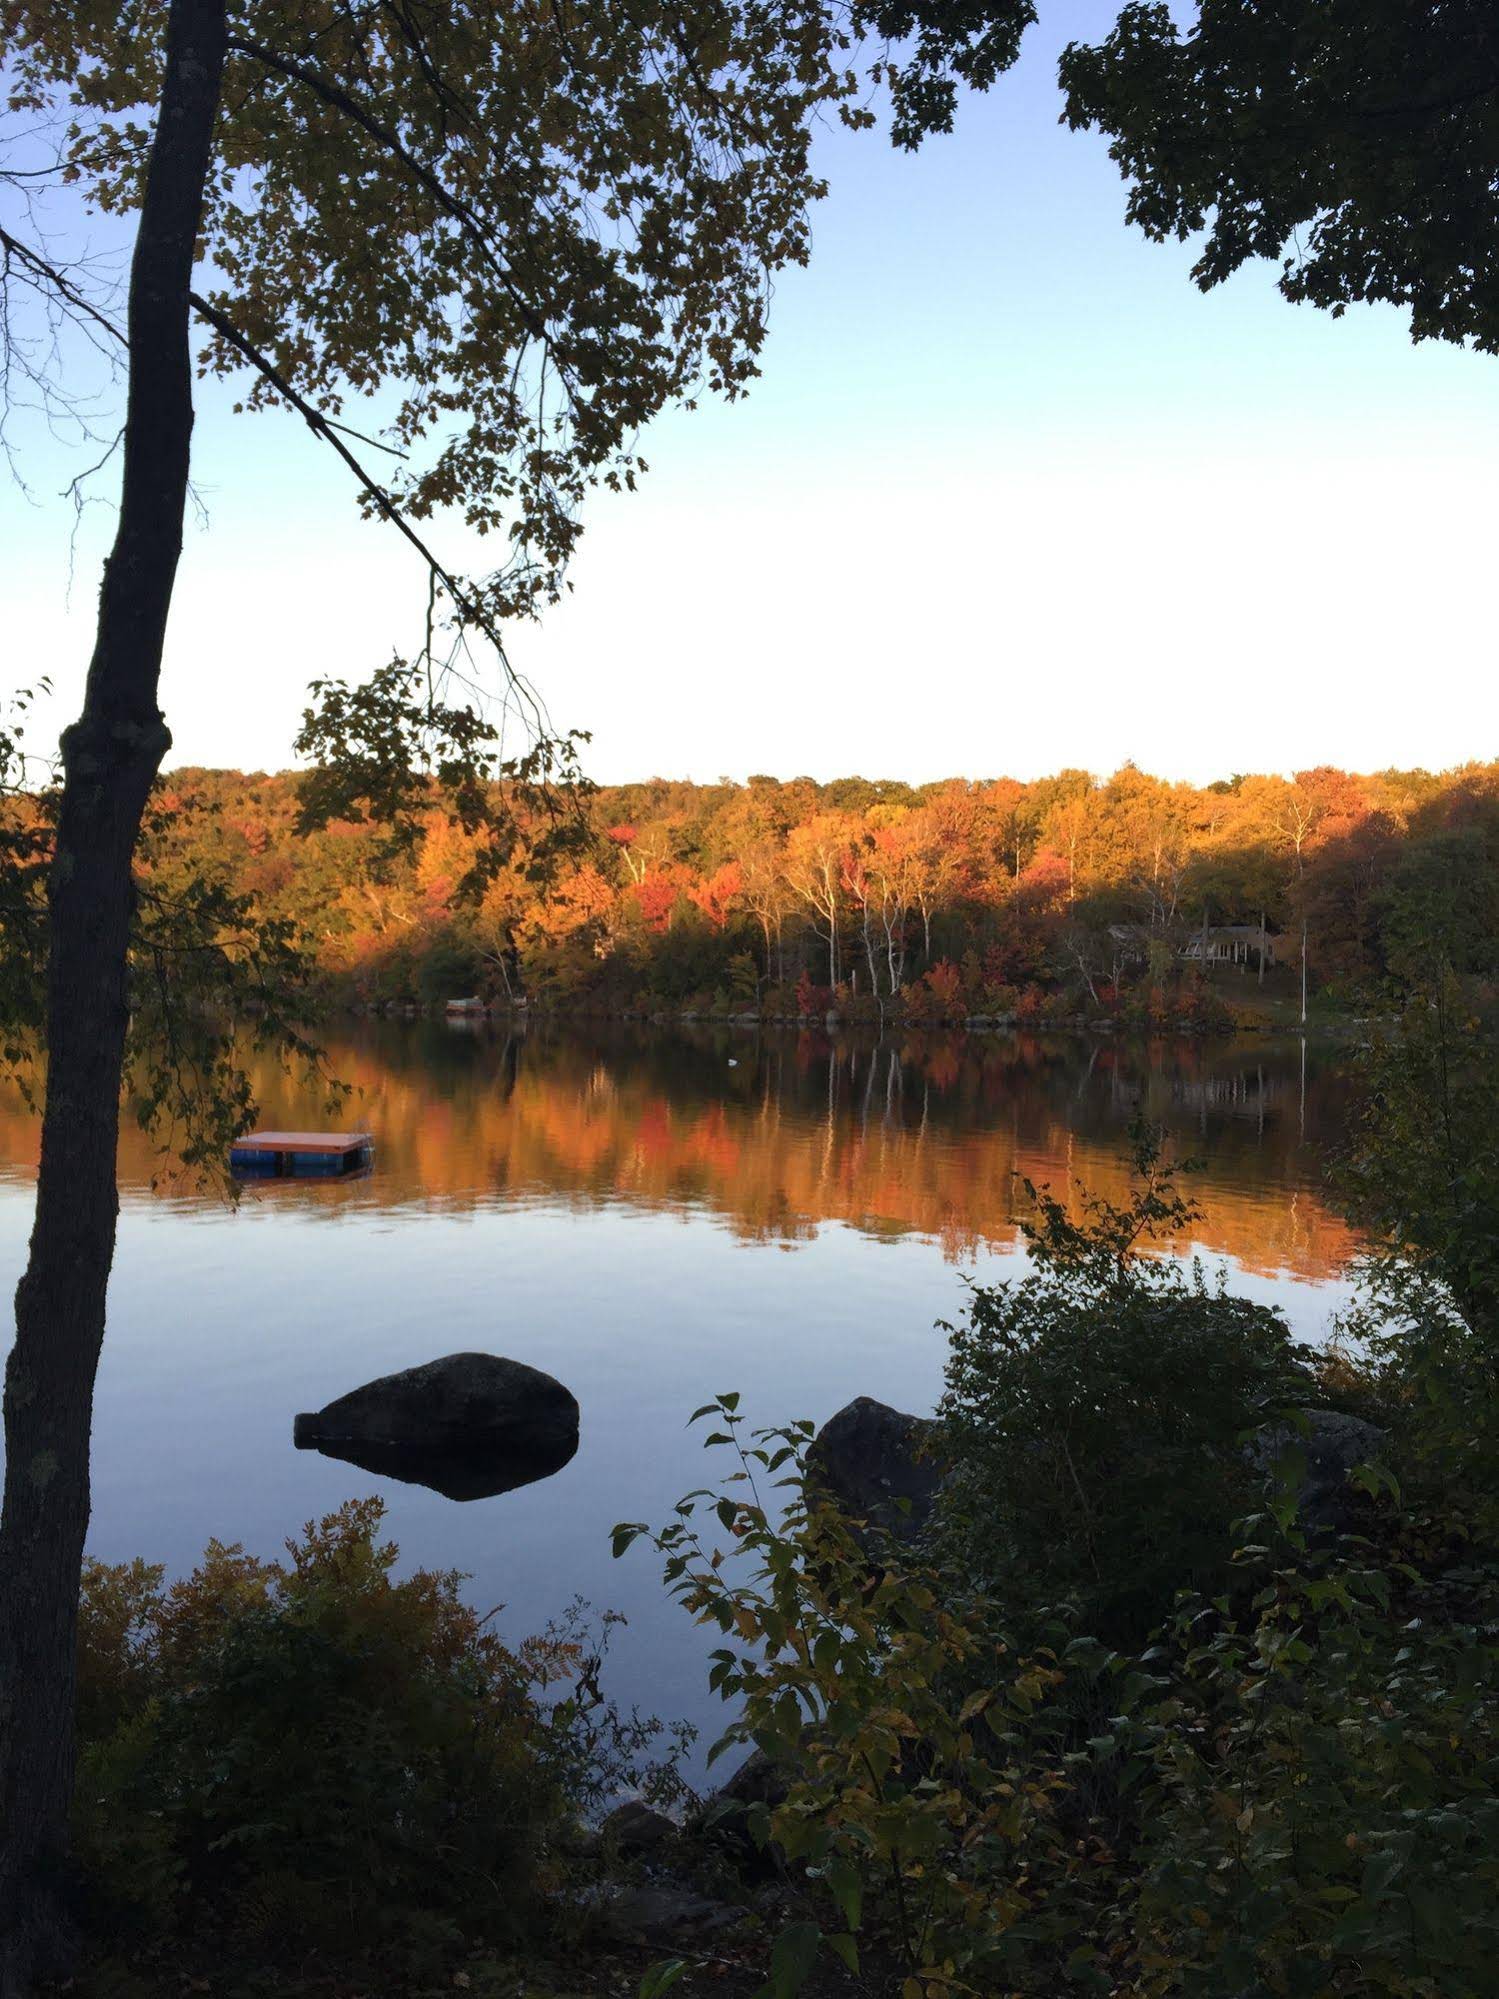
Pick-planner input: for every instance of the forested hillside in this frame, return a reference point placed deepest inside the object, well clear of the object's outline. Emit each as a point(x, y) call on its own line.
point(952, 899)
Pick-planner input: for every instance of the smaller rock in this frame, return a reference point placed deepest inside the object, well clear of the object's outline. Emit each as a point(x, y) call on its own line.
point(635, 1827)
point(757, 1781)
point(667, 1911)
point(870, 1458)
point(1333, 1444)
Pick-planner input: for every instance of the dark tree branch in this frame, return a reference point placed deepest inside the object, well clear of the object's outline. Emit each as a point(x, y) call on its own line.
point(469, 607)
point(443, 92)
point(39, 267)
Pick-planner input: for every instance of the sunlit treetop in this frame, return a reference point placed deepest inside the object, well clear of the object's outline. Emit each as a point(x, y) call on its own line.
point(1354, 141)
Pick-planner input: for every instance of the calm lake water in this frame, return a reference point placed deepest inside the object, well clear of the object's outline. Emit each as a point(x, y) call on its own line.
point(653, 1218)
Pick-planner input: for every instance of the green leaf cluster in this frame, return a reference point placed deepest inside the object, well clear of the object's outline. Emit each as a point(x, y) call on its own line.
point(1354, 143)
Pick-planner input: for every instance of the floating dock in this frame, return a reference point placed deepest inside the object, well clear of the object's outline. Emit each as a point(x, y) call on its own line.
point(302, 1155)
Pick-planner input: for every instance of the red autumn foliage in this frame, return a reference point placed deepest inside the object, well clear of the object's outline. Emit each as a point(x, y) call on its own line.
point(717, 893)
point(656, 894)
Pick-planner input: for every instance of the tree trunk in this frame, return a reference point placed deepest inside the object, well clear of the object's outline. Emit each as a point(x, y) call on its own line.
point(110, 758)
point(1303, 971)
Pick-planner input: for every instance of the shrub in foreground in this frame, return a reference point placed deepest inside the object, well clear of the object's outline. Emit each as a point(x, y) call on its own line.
point(313, 1756)
point(1320, 1812)
point(1291, 1789)
point(1285, 1781)
point(1097, 1409)
point(930, 1829)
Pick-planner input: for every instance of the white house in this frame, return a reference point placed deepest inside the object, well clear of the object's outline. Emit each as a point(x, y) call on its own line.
point(1231, 944)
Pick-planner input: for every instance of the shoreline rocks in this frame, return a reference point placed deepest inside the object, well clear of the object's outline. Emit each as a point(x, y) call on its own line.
point(871, 1458)
point(1332, 1445)
point(873, 1461)
point(637, 1828)
point(668, 1912)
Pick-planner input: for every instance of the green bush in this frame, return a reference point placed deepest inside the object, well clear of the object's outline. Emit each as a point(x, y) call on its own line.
point(744, 979)
point(1322, 1810)
point(313, 1756)
point(1420, 1175)
point(929, 1818)
point(1096, 1413)
point(1293, 1789)
point(1217, 1770)
point(450, 967)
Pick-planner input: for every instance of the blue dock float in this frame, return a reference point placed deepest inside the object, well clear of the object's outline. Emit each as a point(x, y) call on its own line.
point(301, 1155)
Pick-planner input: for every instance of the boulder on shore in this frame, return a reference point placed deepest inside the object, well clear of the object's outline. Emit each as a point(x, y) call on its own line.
point(668, 1912)
point(636, 1827)
point(722, 1818)
point(871, 1458)
point(469, 1425)
point(757, 1781)
point(1332, 1444)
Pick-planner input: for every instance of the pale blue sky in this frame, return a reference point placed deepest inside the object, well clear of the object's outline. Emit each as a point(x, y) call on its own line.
point(1012, 494)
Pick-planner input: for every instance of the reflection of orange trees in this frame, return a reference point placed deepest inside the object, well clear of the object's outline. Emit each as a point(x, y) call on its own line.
point(928, 1137)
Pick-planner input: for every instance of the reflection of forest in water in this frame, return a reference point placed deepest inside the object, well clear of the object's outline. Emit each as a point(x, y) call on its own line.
point(778, 1132)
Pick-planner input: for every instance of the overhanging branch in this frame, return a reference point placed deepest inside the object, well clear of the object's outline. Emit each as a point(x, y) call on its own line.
point(469, 607)
point(40, 267)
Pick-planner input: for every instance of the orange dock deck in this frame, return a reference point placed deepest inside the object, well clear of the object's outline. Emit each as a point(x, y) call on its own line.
point(303, 1141)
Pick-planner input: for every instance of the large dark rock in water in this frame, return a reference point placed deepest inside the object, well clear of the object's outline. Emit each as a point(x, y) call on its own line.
point(469, 1426)
point(870, 1457)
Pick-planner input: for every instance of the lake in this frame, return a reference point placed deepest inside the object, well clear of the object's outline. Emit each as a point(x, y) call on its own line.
point(653, 1217)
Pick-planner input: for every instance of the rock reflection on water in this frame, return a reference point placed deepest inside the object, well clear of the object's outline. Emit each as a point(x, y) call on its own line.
point(454, 1472)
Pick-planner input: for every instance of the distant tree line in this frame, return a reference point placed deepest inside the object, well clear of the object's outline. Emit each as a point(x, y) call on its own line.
point(936, 901)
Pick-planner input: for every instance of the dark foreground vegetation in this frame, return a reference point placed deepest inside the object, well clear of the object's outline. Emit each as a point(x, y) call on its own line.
point(1130, 1697)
